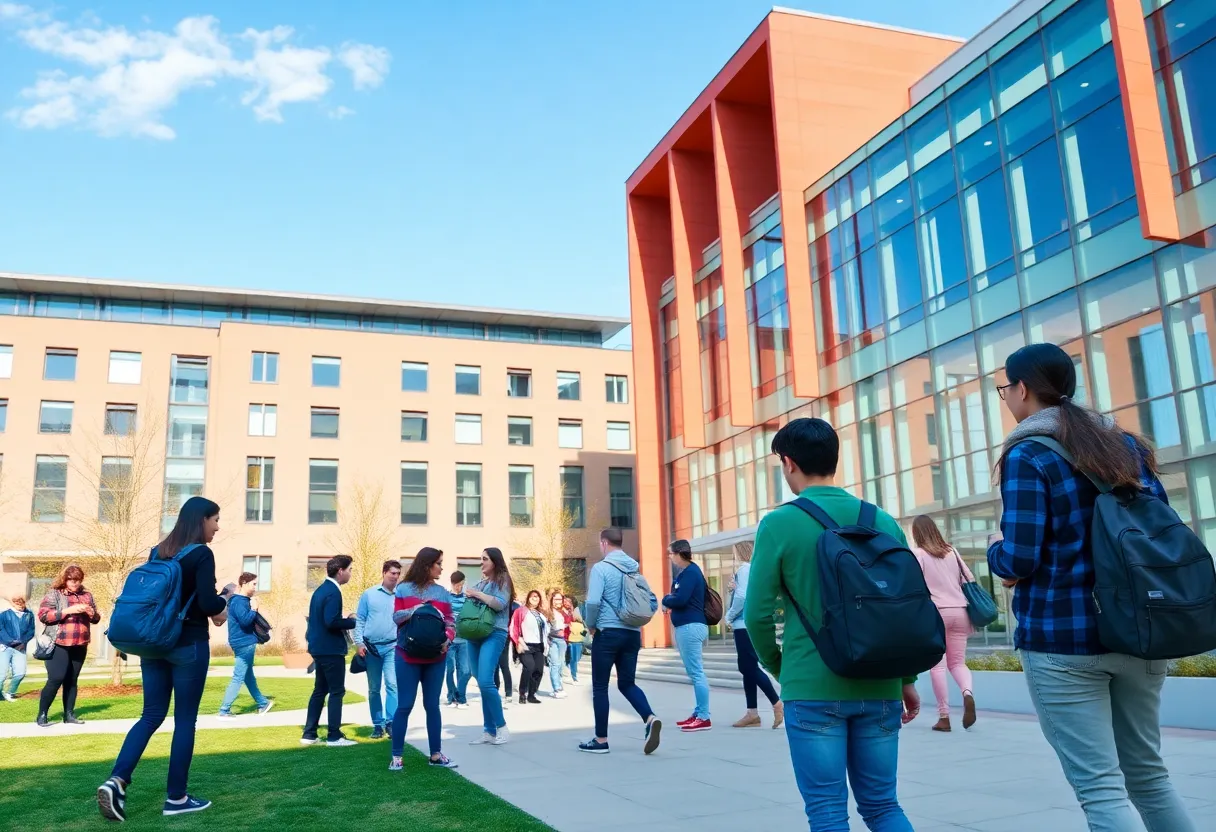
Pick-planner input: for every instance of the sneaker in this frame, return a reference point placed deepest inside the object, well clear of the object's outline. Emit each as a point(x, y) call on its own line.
point(502, 737)
point(654, 730)
point(265, 709)
point(684, 722)
point(593, 746)
point(560, 694)
point(451, 703)
point(225, 716)
point(185, 807)
point(696, 725)
point(442, 762)
point(112, 800)
point(484, 739)
point(532, 700)
point(10, 697)
point(309, 740)
point(573, 681)
point(340, 742)
point(378, 733)
point(462, 706)
point(396, 764)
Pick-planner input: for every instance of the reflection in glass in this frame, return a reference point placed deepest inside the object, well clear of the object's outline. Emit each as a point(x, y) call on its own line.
point(934, 183)
point(978, 156)
point(1086, 87)
point(971, 107)
point(893, 209)
point(929, 138)
point(998, 342)
point(1076, 34)
point(987, 214)
point(900, 271)
point(1027, 125)
point(1188, 103)
point(1019, 74)
point(1098, 163)
point(1055, 321)
point(941, 249)
point(1120, 295)
point(1038, 196)
point(890, 165)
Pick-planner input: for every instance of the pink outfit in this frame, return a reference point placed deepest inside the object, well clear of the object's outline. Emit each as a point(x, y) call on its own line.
point(945, 578)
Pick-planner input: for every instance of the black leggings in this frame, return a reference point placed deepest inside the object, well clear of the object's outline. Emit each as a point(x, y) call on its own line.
point(502, 673)
point(753, 675)
point(62, 670)
point(533, 660)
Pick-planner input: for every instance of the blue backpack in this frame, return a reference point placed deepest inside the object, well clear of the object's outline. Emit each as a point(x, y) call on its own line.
point(148, 615)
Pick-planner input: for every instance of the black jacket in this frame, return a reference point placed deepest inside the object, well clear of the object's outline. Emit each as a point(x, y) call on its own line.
point(326, 635)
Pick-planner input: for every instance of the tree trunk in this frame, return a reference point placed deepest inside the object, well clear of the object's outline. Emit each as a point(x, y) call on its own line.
point(116, 667)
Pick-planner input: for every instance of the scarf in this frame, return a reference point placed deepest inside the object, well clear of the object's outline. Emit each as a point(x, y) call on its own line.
point(1044, 423)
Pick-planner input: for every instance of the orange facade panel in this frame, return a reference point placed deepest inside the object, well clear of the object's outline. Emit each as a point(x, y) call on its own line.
point(687, 187)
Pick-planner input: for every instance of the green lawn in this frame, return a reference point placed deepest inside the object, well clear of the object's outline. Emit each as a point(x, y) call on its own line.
point(266, 661)
point(257, 779)
point(288, 695)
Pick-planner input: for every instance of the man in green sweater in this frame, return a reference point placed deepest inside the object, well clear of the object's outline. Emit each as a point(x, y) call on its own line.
point(836, 726)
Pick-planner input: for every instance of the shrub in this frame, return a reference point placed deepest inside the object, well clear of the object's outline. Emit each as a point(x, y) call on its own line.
point(996, 661)
point(1196, 667)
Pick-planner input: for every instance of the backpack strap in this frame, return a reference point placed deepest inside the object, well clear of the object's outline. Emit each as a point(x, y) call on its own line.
point(817, 514)
point(1052, 444)
point(868, 517)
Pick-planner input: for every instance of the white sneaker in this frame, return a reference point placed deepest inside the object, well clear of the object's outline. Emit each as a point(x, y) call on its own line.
point(502, 737)
point(341, 743)
point(484, 739)
point(560, 694)
point(573, 682)
point(8, 697)
point(462, 706)
point(225, 716)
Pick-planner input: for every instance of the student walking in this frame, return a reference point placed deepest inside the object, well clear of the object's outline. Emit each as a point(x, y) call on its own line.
point(181, 675)
point(16, 632)
point(375, 637)
point(686, 602)
point(754, 678)
point(615, 644)
point(244, 644)
point(457, 662)
point(495, 590)
point(578, 634)
point(945, 574)
point(838, 727)
point(529, 633)
point(70, 609)
point(1099, 711)
point(326, 637)
point(559, 634)
point(423, 612)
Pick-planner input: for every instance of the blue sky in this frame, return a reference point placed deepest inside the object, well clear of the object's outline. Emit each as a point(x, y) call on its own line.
point(467, 152)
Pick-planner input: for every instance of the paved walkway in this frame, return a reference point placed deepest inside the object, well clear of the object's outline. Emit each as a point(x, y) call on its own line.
point(1001, 777)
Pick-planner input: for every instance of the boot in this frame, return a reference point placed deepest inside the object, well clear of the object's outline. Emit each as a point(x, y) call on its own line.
point(70, 718)
point(42, 721)
point(523, 700)
point(943, 725)
point(968, 711)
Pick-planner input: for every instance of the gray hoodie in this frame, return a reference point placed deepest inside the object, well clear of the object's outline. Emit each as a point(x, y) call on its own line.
point(605, 591)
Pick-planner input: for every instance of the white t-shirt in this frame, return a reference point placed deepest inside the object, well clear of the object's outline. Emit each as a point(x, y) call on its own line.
point(531, 627)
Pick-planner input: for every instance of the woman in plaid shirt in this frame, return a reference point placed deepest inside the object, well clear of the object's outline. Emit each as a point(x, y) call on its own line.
point(71, 607)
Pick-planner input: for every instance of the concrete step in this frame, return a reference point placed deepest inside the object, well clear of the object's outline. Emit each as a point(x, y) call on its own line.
point(665, 665)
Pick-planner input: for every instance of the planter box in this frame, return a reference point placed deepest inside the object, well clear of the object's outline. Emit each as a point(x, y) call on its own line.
point(296, 661)
point(1185, 702)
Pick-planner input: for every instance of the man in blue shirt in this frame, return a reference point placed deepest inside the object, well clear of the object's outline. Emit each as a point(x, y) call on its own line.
point(375, 639)
point(458, 670)
point(244, 644)
point(16, 632)
point(686, 602)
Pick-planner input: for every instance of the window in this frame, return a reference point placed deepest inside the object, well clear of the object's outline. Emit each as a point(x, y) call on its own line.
point(1186, 96)
point(941, 249)
point(258, 565)
point(413, 494)
point(569, 433)
point(188, 380)
point(1098, 165)
point(183, 480)
point(468, 429)
point(50, 489)
point(568, 387)
point(519, 384)
point(120, 419)
point(324, 423)
point(620, 497)
point(259, 491)
point(413, 426)
point(987, 214)
point(1039, 211)
point(3, 414)
point(468, 380)
point(6, 361)
point(618, 436)
point(520, 494)
point(326, 372)
point(265, 371)
point(125, 367)
point(55, 417)
point(971, 107)
point(263, 419)
point(519, 430)
point(114, 489)
point(1076, 34)
point(572, 496)
point(617, 389)
point(468, 495)
point(900, 271)
point(413, 377)
point(322, 491)
point(60, 365)
point(1020, 73)
point(315, 572)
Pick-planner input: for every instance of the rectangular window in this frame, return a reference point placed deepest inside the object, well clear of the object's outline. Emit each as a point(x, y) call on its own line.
point(50, 489)
point(6, 360)
point(618, 436)
point(114, 490)
point(572, 496)
point(125, 367)
point(3, 414)
point(468, 429)
point(468, 380)
point(326, 372)
point(55, 417)
point(265, 371)
point(1020, 73)
point(617, 389)
point(413, 494)
point(413, 426)
point(324, 423)
point(263, 419)
point(60, 365)
point(519, 430)
point(188, 380)
point(468, 495)
point(314, 574)
point(183, 480)
point(521, 494)
point(258, 565)
point(620, 497)
point(569, 433)
point(120, 419)
point(568, 386)
point(322, 491)
point(413, 377)
point(259, 489)
point(519, 384)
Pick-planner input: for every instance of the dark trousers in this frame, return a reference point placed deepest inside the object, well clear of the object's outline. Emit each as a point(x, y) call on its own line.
point(62, 670)
point(503, 671)
point(410, 677)
point(753, 676)
point(180, 675)
point(330, 681)
point(533, 661)
point(619, 649)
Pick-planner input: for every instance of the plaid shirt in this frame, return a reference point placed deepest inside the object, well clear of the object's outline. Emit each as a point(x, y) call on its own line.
point(1045, 524)
point(74, 630)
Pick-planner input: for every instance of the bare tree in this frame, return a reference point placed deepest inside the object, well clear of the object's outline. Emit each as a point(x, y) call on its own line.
point(368, 531)
point(282, 602)
point(558, 534)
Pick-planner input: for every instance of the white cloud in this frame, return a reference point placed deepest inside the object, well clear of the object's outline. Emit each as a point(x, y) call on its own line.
point(339, 113)
point(132, 79)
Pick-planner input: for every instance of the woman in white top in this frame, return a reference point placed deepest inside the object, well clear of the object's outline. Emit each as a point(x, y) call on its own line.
point(530, 633)
point(754, 678)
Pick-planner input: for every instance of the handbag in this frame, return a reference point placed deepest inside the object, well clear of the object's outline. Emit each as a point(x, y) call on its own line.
point(261, 628)
point(981, 609)
point(44, 645)
point(476, 620)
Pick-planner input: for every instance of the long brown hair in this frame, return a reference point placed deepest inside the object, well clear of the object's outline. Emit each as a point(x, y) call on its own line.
point(502, 575)
point(71, 572)
point(420, 570)
point(540, 600)
point(926, 535)
point(743, 550)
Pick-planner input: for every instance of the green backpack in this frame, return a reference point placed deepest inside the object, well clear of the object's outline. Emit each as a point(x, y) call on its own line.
point(476, 621)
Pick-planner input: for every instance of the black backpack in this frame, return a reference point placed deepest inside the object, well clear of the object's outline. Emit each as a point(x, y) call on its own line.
point(425, 634)
point(879, 621)
point(1154, 580)
point(261, 628)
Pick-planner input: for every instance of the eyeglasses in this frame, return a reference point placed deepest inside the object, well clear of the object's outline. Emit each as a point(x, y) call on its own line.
point(1001, 388)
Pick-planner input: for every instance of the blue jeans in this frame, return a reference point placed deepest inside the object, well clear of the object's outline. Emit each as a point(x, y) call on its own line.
point(410, 677)
point(242, 674)
point(483, 658)
point(616, 648)
point(457, 664)
point(12, 659)
point(1101, 715)
point(576, 653)
point(690, 639)
point(180, 675)
point(557, 660)
point(381, 666)
point(829, 740)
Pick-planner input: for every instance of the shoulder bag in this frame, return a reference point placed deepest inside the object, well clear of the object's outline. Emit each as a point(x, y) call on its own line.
point(981, 609)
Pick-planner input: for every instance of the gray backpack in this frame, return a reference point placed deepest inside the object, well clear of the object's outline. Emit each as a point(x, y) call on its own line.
point(636, 606)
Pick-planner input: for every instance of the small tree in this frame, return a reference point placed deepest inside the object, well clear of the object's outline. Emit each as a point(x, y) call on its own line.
point(546, 548)
point(282, 602)
point(368, 532)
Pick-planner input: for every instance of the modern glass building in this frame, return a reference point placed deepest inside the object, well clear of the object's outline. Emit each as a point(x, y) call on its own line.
point(1046, 181)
